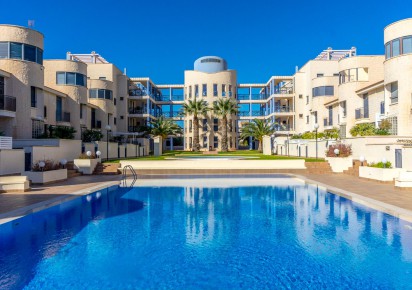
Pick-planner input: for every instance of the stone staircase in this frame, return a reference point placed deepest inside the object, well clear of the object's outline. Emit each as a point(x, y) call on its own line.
point(354, 170)
point(318, 168)
point(71, 171)
point(107, 169)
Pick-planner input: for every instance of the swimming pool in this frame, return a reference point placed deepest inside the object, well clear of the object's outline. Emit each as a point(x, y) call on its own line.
point(272, 232)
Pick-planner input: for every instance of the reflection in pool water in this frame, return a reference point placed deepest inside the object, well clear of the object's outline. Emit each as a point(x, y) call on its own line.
point(191, 236)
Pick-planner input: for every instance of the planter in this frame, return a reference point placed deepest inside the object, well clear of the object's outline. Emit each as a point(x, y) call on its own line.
point(86, 166)
point(404, 179)
point(381, 174)
point(339, 164)
point(41, 177)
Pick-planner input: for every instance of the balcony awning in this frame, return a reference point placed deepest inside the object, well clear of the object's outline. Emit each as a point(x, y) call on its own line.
point(332, 102)
point(370, 87)
point(55, 92)
point(4, 73)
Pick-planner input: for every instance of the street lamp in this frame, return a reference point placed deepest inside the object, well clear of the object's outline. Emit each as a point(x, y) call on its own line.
point(108, 128)
point(336, 151)
point(384, 162)
point(316, 126)
point(362, 159)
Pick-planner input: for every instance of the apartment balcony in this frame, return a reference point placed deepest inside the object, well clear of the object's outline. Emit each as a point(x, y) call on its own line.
point(135, 129)
point(7, 106)
point(283, 129)
point(174, 98)
point(283, 91)
point(136, 111)
point(283, 109)
point(360, 113)
point(251, 114)
point(327, 124)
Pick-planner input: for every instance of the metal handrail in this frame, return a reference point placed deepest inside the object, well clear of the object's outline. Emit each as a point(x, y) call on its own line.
point(124, 173)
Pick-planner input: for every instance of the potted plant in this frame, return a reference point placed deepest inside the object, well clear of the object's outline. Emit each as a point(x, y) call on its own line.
point(339, 157)
point(46, 171)
point(87, 162)
point(381, 171)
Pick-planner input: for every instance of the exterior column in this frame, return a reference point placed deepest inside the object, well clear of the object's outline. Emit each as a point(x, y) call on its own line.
point(171, 143)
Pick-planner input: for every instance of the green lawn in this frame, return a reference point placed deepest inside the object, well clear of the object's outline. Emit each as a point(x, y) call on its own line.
point(247, 153)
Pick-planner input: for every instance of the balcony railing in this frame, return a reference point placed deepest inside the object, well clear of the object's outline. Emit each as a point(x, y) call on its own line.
point(359, 113)
point(253, 114)
point(174, 98)
point(283, 91)
point(136, 93)
point(283, 109)
point(327, 122)
point(243, 96)
point(8, 103)
point(283, 128)
point(137, 111)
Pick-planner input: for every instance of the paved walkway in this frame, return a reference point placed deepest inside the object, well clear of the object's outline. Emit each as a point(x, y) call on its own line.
point(386, 193)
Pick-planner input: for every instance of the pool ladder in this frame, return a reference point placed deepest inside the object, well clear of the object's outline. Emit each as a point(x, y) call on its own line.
point(124, 174)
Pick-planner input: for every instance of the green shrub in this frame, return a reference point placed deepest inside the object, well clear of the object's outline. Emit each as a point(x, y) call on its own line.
point(380, 164)
point(91, 135)
point(368, 129)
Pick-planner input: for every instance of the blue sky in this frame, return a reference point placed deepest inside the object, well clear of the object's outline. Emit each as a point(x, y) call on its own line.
point(161, 39)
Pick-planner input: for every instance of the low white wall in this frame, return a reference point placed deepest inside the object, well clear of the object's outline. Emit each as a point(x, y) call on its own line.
point(382, 174)
point(339, 164)
point(41, 177)
point(86, 166)
point(216, 164)
point(66, 149)
point(14, 183)
point(11, 161)
point(267, 146)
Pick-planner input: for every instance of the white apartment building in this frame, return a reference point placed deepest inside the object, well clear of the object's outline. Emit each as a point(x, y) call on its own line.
point(337, 89)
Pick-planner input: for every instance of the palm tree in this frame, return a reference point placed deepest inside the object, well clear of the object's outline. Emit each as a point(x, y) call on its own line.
point(224, 108)
point(164, 127)
point(195, 108)
point(257, 129)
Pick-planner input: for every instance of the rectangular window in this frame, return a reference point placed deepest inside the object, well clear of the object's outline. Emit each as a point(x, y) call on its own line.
point(215, 90)
point(307, 100)
point(204, 141)
point(80, 80)
point(196, 90)
point(215, 125)
point(39, 56)
point(223, 90)
point(230, 90)
point(344, 108)
point(190, 126)
point(30, 53)
point(330, 123)
point(102, 78)
point(114, 120)
point(204, 90)
point(315, 114)
point(365, 106)
point(115, 101)
point(307, 119)
point(215, 142)
point(204, 125)
point(33, 97)
point(107, 94)
point(45, 112)
point(300, 116)
point(37, 128)
point(60, 78)
point(190, 92)
point(319, 75)
point(59, 109)
point(406, 45)
point(388, 50)
point(190, 142)
point(16, 50)
point(382, 108)
point(93, 94)
point(395, 47)
point(81, 111)
point(4, 50)
point(394, 92)
point(70, 78)
point(100, 94)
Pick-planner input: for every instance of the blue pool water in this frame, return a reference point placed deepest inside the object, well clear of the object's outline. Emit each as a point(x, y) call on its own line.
point(275, 233)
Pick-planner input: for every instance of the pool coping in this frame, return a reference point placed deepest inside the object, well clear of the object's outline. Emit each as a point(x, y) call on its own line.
point(390, 209)
point(393, 210)
point(23, 211)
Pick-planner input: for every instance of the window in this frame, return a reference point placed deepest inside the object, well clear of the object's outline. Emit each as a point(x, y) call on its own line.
point(365, 106)
point(323, 91)
point(81, 111)
point(395, 47)
point(16, 50)
point(196, 90)
point(300, 116)
point(230, 90)
point(190, 126)
point(190, 142)
point(394, 125)
point(71, 78)
point(33, 97)
point(39, 58)
point(315, 114)
point(215, 90)
point(59, 109)
point(100, 94)
point(204, 90)
point(190, 92)
point(30, 53)
point(382, 108)
point(388, 50)
point(330, 108)
point(121, 117)
point(102, 78)
point(115, 101)
point(223, 90)
point(121, 98)
point(45, 112)
point(204, 141)
point(319, 75)
point(307, 119)
point(204, 125)
point(394, 92)
point(4, 50)
point(210, 60)
point(343, 105)
point(115, 120)
point(307, 100)
point(300, 96)
point(215, 125)
point(407, 45)
point(215, 142)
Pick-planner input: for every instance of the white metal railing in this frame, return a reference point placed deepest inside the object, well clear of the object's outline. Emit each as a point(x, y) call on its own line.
point(6, 142)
